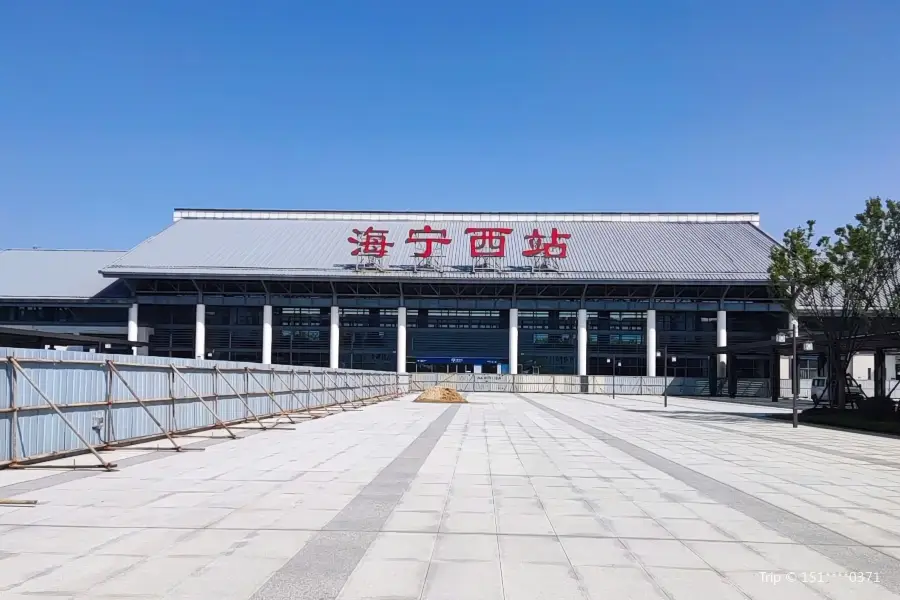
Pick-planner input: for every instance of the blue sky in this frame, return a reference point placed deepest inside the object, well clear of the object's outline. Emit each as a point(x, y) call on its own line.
point(114, 113)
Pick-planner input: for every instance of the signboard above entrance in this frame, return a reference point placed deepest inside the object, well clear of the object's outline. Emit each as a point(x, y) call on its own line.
point(484, 242)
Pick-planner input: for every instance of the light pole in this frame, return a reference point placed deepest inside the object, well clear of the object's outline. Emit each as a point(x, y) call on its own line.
point(795, 371)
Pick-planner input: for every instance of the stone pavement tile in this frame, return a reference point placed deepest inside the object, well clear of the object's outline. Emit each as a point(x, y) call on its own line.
point(428, 489)
point(585, 526)
point(693, 529)
point(691, 584)
point(731, 556)
point(865, 533)
point(637, 527)
point(301, 518)
point(619, 583)
point(598, 552)
point(889, 550)
point(466, 547)
point(271, 544)
point(531, 549)
point(479, 580)
point(665, 553)
point(567, 508)
point(421, 521)
point(173, 517)
point(412, 546)
point(141, 542)
point(411, 502)
point(524, 524)
point(795, 557)
point(77, 576)
point(472, 480)
point(645, 495)
point(666, 510)
point(155, 577)
point(245, 518)
point(16, 569)
point(276, 501)
point(385, 579)
point(751, 531)
point(325, 501)
point(471, 491)
point(227, 578)
point(519, 506)
point(539, 582)
point(467, 522)
point(467, 504)
point(207, 542)
point(514, 491)
point(615, 510)
point(762, 586)
point(506, 480)
point(182, 500)
point(53, 540)
point(556, 493)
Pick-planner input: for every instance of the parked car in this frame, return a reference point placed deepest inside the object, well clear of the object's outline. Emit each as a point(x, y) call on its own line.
point(820, 392)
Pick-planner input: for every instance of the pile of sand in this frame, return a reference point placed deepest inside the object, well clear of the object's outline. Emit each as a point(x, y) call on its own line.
point(442, 395)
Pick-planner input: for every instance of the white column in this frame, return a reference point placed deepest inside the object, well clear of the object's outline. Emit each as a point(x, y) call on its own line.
point(721, 340)
point(200, 333)
point(890, 370)
point(133, 326)
point(582, 342)
point(651, 343)
point(334, 338)
point(513, 341)
point(267, 335)
point(401, 339)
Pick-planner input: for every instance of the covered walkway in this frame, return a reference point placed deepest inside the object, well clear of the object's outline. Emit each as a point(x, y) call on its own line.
point(513, 496)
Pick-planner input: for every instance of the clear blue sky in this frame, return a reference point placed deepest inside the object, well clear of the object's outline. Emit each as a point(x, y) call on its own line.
point(114, 113)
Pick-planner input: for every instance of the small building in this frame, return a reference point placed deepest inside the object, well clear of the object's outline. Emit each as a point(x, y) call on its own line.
point(552, 293)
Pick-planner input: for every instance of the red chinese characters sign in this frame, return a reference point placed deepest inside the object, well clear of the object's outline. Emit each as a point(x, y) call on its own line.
point(484, 242)
point(370, 242)
point(428, 238)
point(551, 246)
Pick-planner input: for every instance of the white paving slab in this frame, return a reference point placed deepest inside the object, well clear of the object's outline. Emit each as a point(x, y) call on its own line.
point(510, 497)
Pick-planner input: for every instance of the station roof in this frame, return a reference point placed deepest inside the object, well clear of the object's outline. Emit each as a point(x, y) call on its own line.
point(42, 274)
point(671, 247)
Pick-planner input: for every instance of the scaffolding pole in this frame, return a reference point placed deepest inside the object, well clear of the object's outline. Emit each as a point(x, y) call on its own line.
point(284, 413)
point(115, 371)
point(106, 465)
point(202, 400)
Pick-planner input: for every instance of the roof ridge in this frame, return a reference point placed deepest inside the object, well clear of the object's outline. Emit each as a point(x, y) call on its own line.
point(37, 249)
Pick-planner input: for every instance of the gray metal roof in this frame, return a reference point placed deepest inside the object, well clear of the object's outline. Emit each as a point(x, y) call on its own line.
point(54, 274)
point(695, 248)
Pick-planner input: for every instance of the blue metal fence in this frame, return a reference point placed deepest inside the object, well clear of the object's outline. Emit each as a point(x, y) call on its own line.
point(54, 403)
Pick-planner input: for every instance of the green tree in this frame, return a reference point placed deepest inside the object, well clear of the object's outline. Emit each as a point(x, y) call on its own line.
point(840, 284)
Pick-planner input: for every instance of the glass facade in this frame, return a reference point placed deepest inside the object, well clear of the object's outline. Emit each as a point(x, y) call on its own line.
point(548, 342)
point(300, 336)
point(368, 338)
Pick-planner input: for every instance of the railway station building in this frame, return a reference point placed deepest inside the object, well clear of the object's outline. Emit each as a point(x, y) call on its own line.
point(550, 293)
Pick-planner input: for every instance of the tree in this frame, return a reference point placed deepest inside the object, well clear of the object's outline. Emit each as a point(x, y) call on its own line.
point(840, 284)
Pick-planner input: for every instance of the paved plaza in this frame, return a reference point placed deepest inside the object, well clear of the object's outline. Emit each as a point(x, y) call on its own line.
point(516, 497)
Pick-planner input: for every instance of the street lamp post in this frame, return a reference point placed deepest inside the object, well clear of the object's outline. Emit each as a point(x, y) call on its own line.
point(795, 371)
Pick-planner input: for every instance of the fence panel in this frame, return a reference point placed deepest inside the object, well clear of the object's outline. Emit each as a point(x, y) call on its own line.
point(106, 399)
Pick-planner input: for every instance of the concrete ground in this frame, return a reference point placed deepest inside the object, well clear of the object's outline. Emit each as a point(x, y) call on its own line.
point(517, 497)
